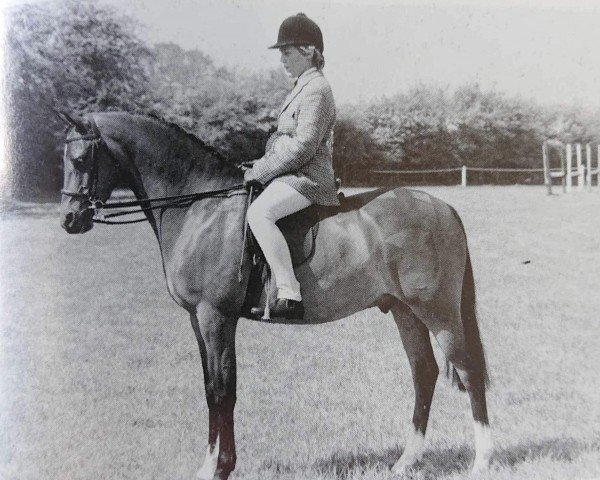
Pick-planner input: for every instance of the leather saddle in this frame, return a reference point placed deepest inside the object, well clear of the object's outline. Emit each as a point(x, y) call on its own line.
point(301, 233)
point(301, 228)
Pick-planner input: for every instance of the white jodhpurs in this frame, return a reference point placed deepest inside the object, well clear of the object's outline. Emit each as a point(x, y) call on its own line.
point(278, 200)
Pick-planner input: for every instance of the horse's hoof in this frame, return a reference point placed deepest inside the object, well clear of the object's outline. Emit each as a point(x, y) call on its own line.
point(218, 475)
point(402, 467)
point(213, 474)
point(211, 461)
point(484, 448)
point(412, 454)
point(204, 475)
point(480, 466)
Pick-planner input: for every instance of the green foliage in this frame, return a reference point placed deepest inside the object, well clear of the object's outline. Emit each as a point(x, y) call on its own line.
point(234, 111)
point(78, 56)
point(354, 147)
point(432, 128)
point(75, 55)
point(70, 55)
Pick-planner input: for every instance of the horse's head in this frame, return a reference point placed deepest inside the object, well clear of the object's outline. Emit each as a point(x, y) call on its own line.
point(90, 174)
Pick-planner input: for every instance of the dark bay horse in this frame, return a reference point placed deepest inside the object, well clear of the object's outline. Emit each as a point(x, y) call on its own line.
point(402, 250)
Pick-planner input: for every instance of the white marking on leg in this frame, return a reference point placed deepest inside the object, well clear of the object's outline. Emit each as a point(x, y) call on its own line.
point(413, 452)
point(209, 467)
point(484, 447)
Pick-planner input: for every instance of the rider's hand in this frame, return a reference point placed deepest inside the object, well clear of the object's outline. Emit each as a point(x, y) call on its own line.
point(247, 165)
point(249, 180)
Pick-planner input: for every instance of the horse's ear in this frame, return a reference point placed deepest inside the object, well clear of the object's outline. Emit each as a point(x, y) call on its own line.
point(73, 120)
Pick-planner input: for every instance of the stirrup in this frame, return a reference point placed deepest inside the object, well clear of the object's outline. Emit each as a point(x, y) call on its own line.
point(264, 313)
point(283, 308)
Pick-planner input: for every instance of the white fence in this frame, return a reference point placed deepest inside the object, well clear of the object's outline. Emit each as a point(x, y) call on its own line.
point(582, 173)
point(463, 171)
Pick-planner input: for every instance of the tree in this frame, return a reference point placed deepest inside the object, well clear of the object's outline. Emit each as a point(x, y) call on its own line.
point(230, 109)
point(71, 55)
point(414, 128)
point(354, 149)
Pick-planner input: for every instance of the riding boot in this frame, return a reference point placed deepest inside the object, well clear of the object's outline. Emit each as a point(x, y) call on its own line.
point(283, 308)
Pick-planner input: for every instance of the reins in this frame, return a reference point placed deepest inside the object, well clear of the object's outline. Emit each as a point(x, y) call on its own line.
point(88, 192)
point(174, 201)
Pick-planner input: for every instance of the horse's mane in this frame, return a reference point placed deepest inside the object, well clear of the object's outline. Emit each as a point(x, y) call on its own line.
point(191, 136)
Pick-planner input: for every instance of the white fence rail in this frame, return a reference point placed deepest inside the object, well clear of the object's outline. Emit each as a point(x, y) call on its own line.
point(463, 171)
point(582, 173)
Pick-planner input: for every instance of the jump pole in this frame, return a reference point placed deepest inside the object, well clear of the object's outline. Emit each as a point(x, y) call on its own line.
point(546, 161)
point(463, 176)
point(580, 177)
point(563, 170)
point(588, 163)
point(591, 171)
point(569, 159)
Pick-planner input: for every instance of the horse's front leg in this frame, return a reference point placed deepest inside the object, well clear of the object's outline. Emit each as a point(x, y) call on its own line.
point(216, 339)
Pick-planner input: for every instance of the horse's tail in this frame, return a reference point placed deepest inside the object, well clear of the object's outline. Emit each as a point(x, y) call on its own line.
point(468, 313)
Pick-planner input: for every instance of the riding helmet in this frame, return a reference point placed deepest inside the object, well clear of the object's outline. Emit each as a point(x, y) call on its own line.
point(299, 30)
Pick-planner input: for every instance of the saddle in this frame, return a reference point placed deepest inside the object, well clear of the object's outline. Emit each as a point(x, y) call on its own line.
point(300, 231)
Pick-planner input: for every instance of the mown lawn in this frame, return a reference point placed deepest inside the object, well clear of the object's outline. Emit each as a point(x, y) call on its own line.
point(100, 375)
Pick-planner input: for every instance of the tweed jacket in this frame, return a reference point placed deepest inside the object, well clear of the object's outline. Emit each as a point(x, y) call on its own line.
point(299, 152)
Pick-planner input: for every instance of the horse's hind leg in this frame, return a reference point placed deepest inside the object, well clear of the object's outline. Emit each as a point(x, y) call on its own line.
point(415, 338)
point(470, 366)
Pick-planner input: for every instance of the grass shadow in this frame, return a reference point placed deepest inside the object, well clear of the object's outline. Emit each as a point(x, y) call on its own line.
point(561, 449)
point(344, 465)
point(438, 463)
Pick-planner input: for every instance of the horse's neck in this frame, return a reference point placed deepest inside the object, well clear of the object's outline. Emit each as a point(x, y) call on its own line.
point(164, 162)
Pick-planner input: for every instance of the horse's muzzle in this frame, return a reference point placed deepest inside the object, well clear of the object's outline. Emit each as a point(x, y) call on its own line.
point(78, 222)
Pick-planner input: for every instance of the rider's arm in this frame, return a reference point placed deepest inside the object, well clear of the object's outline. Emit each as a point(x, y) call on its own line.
point(289, 153)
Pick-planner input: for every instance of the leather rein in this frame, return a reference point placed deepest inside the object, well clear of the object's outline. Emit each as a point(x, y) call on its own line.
point(89, 191)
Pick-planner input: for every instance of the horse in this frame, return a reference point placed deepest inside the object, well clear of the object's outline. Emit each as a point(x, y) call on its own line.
point(401, 250)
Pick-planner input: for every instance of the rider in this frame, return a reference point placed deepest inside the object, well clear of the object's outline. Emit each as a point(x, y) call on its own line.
point(297, 166)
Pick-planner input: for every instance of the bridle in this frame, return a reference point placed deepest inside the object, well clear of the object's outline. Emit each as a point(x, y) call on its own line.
point(88, 192)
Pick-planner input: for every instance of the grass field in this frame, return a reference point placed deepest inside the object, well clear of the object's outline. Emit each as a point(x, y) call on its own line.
point(100, 376)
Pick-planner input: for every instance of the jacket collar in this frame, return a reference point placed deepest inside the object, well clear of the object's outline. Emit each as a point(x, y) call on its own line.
point(301, 82)
point(306, 76)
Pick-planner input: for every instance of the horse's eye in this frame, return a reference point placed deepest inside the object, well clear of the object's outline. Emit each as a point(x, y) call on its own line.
point(76, 151)
point(79, 162)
